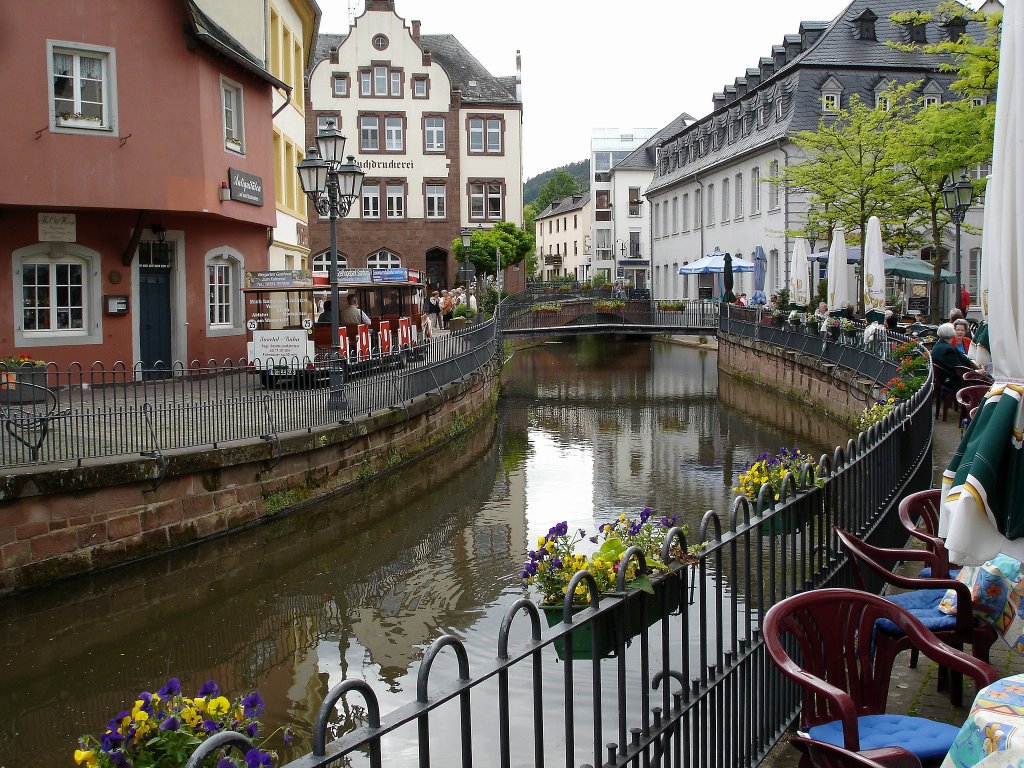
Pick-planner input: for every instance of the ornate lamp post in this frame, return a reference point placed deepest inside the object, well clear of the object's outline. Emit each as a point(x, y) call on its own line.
point(956, 199)
point(466, 234)
point(812, 233)
point(331, 186)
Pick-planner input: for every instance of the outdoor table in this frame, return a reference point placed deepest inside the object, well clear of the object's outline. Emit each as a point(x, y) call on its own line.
point(994, 732)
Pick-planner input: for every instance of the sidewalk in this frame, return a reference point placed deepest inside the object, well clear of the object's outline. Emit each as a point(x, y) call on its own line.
point(912, 691)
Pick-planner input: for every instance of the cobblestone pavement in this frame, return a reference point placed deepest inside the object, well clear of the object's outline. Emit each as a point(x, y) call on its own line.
point(913, 691)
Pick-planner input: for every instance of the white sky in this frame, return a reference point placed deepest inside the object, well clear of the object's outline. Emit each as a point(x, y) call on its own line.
point(593, 64)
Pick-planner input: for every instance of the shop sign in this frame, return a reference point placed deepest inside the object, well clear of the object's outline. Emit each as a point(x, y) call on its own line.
point(356, 276)
point(282, 278)
point(57, 228)
point(245, 187)
point(392, 275)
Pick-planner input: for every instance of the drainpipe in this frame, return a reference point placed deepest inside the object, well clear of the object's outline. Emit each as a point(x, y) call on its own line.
point(785, 214)
point(287, 101)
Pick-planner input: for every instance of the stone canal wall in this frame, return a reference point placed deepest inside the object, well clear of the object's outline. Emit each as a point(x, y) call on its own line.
point(837, 391)
point(63, 521)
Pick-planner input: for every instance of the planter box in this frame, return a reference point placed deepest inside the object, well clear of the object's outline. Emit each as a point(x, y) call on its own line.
point(601, 630)
point(26, 384)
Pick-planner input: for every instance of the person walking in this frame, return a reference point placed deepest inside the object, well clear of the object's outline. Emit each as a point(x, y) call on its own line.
point(965, 298)
point(434, 310)
point(447, 307)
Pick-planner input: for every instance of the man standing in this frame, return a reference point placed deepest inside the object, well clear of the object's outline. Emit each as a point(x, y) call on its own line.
point(965, 298)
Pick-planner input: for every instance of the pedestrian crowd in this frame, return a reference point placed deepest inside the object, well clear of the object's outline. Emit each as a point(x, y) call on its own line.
point(441, 306)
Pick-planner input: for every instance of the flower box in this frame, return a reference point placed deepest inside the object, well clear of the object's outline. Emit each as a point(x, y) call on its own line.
point(582, 640)
point(23, 384)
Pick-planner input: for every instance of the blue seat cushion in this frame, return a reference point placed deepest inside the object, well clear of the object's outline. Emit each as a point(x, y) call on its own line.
point(926, 573)
point(925, 738)
point(922, 603)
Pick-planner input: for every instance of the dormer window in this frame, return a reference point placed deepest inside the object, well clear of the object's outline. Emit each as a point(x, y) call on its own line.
point(778, 108)
point(864, 25)
point(932, 94)
point(917, 33)
point(831, 96)
point(761, 121)
point(955, 28)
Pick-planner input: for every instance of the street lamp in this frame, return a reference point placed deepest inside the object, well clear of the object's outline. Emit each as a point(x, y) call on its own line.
point(956, 199)
point(812, 232)
point(331, 186)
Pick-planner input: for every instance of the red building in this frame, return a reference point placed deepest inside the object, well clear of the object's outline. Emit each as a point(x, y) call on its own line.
point(137, 182)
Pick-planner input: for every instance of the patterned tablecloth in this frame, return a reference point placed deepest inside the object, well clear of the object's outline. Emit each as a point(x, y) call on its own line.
point(993, 736)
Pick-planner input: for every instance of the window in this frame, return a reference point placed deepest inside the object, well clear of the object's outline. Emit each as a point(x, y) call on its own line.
point(322, 262)
point(778, 109)
point(485, 135)
point(978, 101)
point(603, 243)
point(234, 136)
point(773, 186)
point(371, 201)
point(698, 210)
point(725, 200)
point(656, 224)
point(931, 101)
point(287, 154)
point(365, 83)
point(396, 83)
point(369, 133)
point(433, 133)
point(634, 201)
point(383, 259)
point(486, 200)
point(396, 200)
point(223, 297)
point(575, 221)
point(830, 103)
point(686, 213)
point(380, 42)
point(82, 87)
point(494, 201)
point(711, 205)
point(52, 296)
point(339, 85)
point(435, 201)
point(755, 190)
point(761, 120)
point(675, 215)
point(323, 122)
point(393, 138)
point(883, 102)
point(738, 184)
point(420, 88)
point(380, 80)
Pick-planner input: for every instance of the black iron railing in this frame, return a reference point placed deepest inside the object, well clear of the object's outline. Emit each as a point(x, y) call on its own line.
point(52, 415)
point(685, 680)
point(588, 314)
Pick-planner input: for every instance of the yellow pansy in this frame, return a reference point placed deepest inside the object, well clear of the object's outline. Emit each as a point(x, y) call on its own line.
point(199, 703)
point(218, 706)
point(86, 756)
point(541, 541)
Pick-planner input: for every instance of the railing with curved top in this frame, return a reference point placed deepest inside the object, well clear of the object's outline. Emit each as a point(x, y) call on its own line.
point(694, 687)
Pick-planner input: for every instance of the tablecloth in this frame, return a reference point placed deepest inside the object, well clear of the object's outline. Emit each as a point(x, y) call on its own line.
point(994, 730)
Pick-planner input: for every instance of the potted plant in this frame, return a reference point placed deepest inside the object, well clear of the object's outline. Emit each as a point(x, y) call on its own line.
point(22, 379)
point(794, 319)
point(833, 326)
point(163, 729)
point(849, 328)
point(603, 305)
point(778, 317)
point(772, 469)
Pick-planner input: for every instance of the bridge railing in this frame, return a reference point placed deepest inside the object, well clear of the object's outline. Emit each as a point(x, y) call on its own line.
point(683, 677)
point(50, 414)
point(607, 314)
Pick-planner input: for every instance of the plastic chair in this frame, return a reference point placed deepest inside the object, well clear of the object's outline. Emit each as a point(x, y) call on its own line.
point(971, 397)
point(919, 514)
point(820, 754)
point(944, 394)
point(978, 376)
point(921, 600)
point(845, 672)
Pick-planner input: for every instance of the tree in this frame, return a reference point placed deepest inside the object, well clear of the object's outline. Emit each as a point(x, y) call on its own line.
point(514, 243)
point(850, 171)
point(562, 184)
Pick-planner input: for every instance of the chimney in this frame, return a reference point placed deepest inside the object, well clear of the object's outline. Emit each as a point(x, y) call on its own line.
point(779, 56)
point(767, 66)
point(730, 94)
point(794, 46)
point(864, 25)
point(810, 31)
point(741, 87)
point(718, 100)
point(334, 54)
point(519, 77)
point(416, 31)
point(753, 78)
point(380, 5)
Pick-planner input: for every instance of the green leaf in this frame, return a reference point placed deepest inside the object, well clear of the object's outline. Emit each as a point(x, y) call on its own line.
point(642, 582)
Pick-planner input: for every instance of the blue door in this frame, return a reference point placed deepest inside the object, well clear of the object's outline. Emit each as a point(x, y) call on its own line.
point(155, 264)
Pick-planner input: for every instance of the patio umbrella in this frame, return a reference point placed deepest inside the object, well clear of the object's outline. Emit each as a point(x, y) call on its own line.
point(982, 512)
point(715, 262)
point(840, 289)
point(728, 295)
point(799, 285)
point(915, 269)
point(874, 268)
point(760, 272)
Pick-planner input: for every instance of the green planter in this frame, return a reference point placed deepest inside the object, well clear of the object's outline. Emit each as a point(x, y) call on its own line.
point(25, 384)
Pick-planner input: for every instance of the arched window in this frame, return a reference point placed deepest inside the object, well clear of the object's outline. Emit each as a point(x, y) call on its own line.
point(224, 312)
point(322, 262)
point(383, 259)
point(56, 290)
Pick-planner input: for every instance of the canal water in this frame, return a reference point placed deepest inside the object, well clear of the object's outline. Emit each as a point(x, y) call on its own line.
point(359, 586)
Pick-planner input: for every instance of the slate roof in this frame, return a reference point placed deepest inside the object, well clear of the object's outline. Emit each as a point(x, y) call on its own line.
point(797, 84)
point(565, 205)
point(211, 34)
point(466, 73)
point(645, 157)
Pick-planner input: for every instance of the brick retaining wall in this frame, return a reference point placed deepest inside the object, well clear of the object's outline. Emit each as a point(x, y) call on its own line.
point(62, 521)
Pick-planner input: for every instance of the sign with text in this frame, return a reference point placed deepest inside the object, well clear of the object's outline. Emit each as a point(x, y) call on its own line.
point(277, 345)
point(245, 187)
point(57, 228)
point(392, 275)
point(357, 276)
point(279, 278)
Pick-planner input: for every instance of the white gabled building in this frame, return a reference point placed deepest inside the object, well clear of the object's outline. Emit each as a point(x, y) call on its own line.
point(563, 236)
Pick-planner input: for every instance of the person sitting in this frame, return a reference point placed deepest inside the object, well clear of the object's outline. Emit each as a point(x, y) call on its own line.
point(955, 314)
point(949, 358)
point(324, 318)
point(961, 338)
point(891, 322)
point(741, 300)
point(352, 314)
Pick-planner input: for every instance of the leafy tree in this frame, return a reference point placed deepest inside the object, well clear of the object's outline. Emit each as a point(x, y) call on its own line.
point(579, 171)
point(514, 243)
point(529, 218)
point(561, 184)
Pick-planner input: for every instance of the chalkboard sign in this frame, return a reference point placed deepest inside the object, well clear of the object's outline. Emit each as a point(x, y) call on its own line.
point(640, 294)
point(704, 292)
point(918, 304)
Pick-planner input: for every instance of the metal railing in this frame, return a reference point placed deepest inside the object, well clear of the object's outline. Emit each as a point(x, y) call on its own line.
point(688, 681)
point(51, 415)
point(610, 315)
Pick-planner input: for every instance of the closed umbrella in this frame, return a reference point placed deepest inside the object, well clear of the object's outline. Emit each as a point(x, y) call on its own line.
point(982, 512)
point(799, 283)
point(760, 272)
point(840, 288)
point(874, 268)
point(727, 283)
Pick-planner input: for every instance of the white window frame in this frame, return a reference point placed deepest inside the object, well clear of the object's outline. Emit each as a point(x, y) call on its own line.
point(494, 131)
point(321, 262)
point(726, 199)
point(53, 254)
point(434, 134)
point(225, 260)
point(321, 122)
point(370, 201)
point(394, 133)
point(436, 201)
point(383, 259)
point(365, 82)
point(234, 122)
point(477, 202)
point(932, 101)
point(755, 191)
point(339, 86)
point(108, 83)
point(419, 87)
point(686, 213)
point(738, 193)
point(477, 134)
point(774, 187)
point(395, 201)
point(366, 131)
point(495, 192)
point(656, 221)
point(710, 202)
point(381, 78)
point(830, 103)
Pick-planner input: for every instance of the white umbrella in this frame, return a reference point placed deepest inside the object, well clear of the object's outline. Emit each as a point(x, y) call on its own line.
point(983, 489)
point(874, 267)
point(799, 283)
point(840, 287)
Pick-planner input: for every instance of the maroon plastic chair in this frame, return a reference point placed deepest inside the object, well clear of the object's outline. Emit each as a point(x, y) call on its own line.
point(971, 397)
point(844, 671)
point(919, 514)
point(943, 394)
point(922, 600)
point(823, 755)
point(976, 376)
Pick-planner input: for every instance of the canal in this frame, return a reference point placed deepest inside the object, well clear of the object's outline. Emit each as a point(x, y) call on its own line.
point(358, 587)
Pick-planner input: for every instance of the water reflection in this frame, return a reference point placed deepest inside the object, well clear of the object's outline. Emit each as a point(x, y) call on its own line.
point(359, 586)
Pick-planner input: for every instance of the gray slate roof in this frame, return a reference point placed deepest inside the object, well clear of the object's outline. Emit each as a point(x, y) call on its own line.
point(211, 34)
point(466, 73)
point(645, 157)
point(798, 83)
point(565, 205)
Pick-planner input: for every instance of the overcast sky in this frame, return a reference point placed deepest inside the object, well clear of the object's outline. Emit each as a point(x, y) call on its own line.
point(594, 64)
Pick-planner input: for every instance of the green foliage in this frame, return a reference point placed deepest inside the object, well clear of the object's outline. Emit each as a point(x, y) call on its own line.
point(515, 245)
point(782, 298)
point(702, 339)
point(561, 184)
point(579, 171)
point(598, 281)
point(463, 311)
point(875, 413)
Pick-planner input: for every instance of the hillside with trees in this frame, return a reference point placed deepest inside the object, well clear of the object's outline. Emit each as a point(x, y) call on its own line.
point(579, 171)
